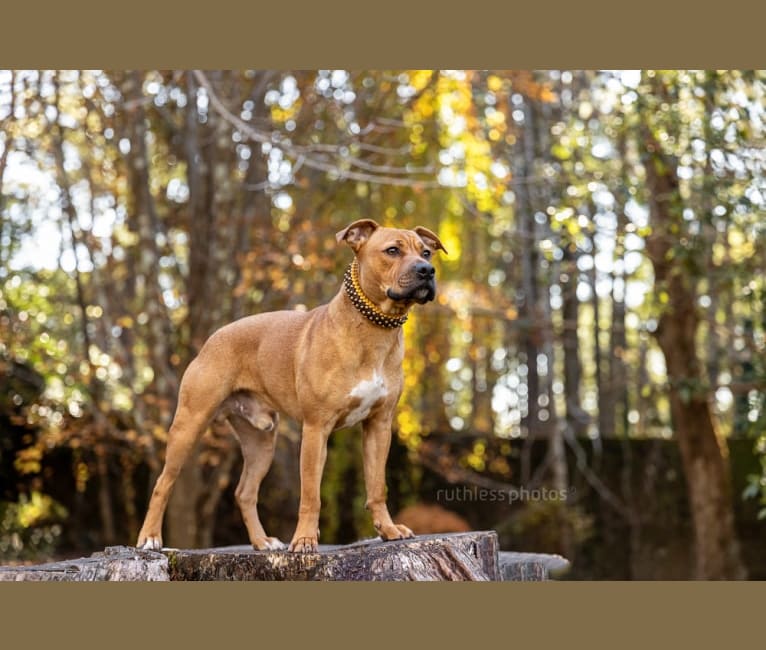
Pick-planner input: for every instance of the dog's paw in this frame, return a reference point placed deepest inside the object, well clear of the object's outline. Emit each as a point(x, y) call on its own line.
point(395, 531)
point(269, 544)
point(150, 543)
point(304, 545)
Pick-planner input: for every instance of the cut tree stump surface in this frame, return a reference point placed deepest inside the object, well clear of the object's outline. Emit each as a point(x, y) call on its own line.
point(472, 556)
point(116, 563)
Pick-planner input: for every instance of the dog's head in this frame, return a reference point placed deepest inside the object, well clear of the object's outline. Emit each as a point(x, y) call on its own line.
point(394, 264)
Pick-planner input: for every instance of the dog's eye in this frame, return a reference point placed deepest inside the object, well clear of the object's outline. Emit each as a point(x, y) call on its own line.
point(426, 253)
point(393, 251)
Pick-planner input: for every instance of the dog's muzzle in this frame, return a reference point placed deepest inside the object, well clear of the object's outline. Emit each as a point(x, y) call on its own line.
point(417, 284)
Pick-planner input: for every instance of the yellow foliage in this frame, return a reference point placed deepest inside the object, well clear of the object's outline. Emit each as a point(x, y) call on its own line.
point(282, 115)
point(420, 78)
point(407, 419)
point(27, 460)
point(32, 129)
point(37, 508)
point(476, 459)
point(523, 81)
point(423, 108)
point(82, 474)
point(160, 433)
point(460, 130)
point(125, 322)
point(450, 234)
point(740, 248)
point(496, 119)
point(494, 83)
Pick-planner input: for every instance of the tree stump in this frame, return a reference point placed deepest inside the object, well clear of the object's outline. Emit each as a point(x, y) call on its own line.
point(116, 563)
point(470, 556)
point(467, 556)
point(531, 567)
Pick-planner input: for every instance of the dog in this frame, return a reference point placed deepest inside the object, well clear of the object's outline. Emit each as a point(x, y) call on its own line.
point(329, 368)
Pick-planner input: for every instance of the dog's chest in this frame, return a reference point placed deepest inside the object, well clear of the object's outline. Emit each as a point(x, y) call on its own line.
point(363, 397)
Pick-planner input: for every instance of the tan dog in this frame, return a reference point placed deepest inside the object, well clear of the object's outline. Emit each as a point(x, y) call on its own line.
point(331, 367)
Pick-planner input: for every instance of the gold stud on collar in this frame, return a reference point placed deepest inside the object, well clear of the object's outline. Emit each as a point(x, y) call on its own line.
point(365, 306)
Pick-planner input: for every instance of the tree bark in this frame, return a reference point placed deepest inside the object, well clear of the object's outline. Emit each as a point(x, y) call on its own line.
point(577, 419)
point(204, 154)
point(115, 564)
point(717, 549)
point(618, 343)
point(603, 389)
point(471, 556)
point(459, 557)
point(529, 267)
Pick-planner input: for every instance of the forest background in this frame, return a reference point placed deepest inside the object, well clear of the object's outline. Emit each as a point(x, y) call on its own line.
point(596, 349)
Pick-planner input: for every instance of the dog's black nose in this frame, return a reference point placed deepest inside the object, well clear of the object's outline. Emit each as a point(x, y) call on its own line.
point(424, 270)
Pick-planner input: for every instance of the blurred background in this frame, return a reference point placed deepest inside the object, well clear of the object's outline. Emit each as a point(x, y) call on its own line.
point(590, 380)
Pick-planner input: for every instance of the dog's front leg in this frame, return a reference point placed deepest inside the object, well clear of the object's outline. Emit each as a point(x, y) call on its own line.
point(313, 456)
point(376, 443)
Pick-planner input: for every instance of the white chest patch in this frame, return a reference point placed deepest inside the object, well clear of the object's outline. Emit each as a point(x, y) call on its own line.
point(367, 393)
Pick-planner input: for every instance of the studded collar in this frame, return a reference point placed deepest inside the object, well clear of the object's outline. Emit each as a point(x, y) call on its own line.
point(363, 304)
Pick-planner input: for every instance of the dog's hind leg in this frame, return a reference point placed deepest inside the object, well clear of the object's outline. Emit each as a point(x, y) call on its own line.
point(197, 403)
point(257, 434)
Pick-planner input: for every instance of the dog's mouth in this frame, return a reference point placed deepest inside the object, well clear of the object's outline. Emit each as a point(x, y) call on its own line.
point(420, 293)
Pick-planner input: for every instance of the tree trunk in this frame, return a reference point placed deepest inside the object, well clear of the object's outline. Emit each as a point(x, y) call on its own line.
point(95, 386)
point(529, 267)
point(603, 389)
point(717, 550)
point(618, 344)
point(577, 418)
point(205, 156)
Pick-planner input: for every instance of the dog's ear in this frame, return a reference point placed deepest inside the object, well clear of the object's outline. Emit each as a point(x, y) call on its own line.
point(357, 233)
point(430, 238)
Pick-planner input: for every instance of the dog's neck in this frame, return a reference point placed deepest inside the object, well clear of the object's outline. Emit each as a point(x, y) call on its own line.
point(364, 305)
